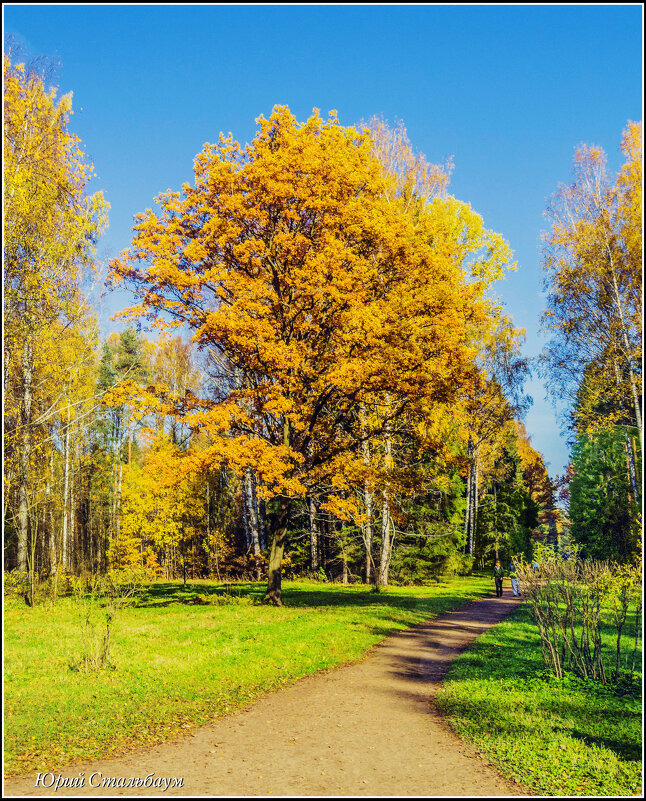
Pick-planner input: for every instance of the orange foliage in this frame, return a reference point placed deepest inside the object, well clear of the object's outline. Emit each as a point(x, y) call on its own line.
point(287, 259)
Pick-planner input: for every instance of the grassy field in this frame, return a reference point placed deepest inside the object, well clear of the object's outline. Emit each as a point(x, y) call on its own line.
point(178, 664)
point(569, 737)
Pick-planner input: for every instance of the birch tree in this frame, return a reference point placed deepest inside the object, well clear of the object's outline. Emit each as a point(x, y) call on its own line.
point(50, 228)
point(593, 265)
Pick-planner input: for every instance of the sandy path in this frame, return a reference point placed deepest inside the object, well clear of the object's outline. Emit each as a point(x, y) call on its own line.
point(365, 729)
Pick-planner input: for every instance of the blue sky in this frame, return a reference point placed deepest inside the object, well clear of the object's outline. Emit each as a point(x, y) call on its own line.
point(508, 91)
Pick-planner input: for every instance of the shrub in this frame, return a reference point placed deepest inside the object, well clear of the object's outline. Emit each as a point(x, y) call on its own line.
point(16, 584)
point(567, 599)
point(100, 598)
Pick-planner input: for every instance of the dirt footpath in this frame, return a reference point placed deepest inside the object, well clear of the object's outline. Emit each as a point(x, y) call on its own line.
point(365, 729)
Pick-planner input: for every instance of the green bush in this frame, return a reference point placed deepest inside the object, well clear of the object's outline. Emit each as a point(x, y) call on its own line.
point(16, 584)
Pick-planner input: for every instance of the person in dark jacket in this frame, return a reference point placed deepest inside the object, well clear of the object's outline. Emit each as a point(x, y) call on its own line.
point(498, 575)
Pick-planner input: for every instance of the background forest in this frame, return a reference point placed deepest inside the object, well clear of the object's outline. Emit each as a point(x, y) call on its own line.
point(335, 390)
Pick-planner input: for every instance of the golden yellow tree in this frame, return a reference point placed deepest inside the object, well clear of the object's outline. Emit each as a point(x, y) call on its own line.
point(162, 506)
point(419, 189)
point(50, 227)
point(593, 263)
point(286, 258)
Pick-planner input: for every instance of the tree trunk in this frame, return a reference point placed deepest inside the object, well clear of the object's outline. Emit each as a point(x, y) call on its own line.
point(474, 501)
point(31, 558)
point(314, 535)
point(468, 513)
point(368, 532)
point(627, 355)
point(74, 557)
point(66, 494)
point(631, 467)
point(638, 418)
point(252, 515)
point(367, 499)
point(24, 457)
point(386, 543)
point(629, 451)
point(53, 559)
point(245, 518)
point(129, 439)
point(257, 511)
point(324, 539)
point(262, 523)
point(119, 498)
point(208, 527)
point(495, 520)
point(273, 594)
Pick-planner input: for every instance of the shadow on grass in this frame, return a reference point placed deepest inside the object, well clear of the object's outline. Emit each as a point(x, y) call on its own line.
point(511, 690)
point(630, 752)
point(170, 593)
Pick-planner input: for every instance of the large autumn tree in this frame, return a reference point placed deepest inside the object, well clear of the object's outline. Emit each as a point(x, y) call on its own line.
point(314, 293)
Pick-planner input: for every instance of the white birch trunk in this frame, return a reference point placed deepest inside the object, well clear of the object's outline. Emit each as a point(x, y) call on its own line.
point(252, 514)
point(386, 544)
point(24, 457)
point(368, 501)
point(66, 492)
point(53, 556)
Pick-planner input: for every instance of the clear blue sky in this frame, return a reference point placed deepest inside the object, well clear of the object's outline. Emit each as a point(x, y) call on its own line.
point(508, 91)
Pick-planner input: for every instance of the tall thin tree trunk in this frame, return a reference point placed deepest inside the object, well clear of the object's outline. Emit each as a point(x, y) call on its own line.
point(31, 557)
point(53, 557)
point(629, 451)
point(262, 522)
point(368, 531)
point(386, 544)
point(631, 467)
point(119, 498)
point(252, 514)
point(66, 495)
point(208, 527)
point(344, 560)
point(368, 501)
point(384, 563)
point(253, 521)
point(495, 519)
point(256, 505)
point(24, 456)
point(245, 518)
point(627, 349)
point(74, 543)
point(468, 513)
point(314, 535)
point(474, 499)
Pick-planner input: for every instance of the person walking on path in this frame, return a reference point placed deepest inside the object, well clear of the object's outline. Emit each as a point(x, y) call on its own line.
point(513, 575)
point(498, 575)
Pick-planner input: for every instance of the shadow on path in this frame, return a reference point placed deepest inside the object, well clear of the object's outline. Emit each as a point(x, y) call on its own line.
point(365, 729)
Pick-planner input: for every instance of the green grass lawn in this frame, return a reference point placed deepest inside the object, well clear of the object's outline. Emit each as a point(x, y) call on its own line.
point(178, 664)
point(569, 737)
